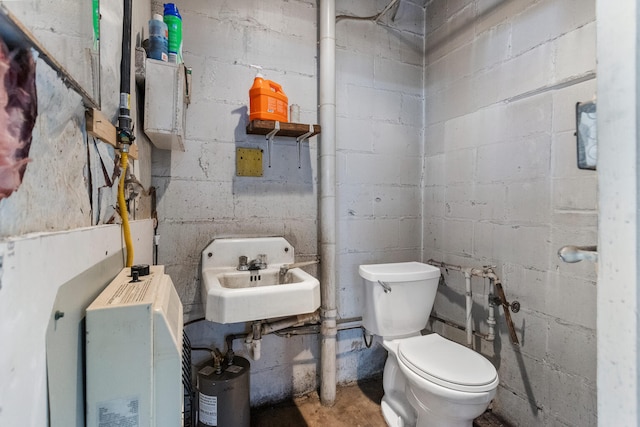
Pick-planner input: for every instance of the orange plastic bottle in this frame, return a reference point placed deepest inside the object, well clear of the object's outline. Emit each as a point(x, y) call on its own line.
point(267, 101)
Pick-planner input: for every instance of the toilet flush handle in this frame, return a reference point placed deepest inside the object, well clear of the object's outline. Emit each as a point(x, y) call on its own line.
point(385, 286)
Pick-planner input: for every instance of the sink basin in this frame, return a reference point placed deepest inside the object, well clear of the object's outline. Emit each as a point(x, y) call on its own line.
point(232, 296)
point(267, 277)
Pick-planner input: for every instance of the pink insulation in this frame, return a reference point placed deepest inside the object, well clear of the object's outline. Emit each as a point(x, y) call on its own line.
point(18, 112)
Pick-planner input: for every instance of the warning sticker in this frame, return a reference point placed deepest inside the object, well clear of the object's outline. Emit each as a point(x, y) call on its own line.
point(119, 413)
point(130, 292)
point(208, 413)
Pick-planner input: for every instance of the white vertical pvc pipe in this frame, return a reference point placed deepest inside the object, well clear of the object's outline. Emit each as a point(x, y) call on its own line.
point(469, 304)
point(327, 200)
point(491, 319)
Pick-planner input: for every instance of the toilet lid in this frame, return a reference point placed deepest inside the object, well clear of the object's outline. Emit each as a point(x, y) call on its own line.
point(447, 363)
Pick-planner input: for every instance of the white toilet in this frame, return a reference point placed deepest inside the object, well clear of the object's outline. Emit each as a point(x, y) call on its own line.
point(428, 380)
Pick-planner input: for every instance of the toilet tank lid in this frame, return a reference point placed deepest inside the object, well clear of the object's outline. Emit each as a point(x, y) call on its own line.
point(399, 272)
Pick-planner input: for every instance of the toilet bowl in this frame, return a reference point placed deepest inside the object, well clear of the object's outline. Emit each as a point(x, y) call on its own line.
point(429, 381)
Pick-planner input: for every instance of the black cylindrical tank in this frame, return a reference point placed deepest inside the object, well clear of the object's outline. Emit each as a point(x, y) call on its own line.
point(224, 398)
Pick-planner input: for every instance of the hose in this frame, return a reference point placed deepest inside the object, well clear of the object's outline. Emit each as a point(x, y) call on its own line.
point(126, 230)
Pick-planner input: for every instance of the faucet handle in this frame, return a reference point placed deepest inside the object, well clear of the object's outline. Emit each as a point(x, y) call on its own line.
point(262, 259)
point(242, 263)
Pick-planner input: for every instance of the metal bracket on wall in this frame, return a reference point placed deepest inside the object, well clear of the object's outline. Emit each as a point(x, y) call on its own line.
point(270, 137)
point(301, 139)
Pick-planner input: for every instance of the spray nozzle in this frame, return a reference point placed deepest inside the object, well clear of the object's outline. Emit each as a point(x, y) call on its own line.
point(258, 72)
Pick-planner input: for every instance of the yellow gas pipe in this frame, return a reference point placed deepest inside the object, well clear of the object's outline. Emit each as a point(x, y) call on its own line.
point(126, 230)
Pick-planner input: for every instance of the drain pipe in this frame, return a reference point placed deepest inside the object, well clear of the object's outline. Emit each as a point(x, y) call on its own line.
point(327, 200)
point(468, 305)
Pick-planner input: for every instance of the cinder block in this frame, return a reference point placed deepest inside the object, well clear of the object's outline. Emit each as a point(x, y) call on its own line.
point(393, 138)
point(576, 193)
point(459, 166)
point(458, 237)
point(512, 243)
point(369, 234)
point(203, 29)
point(396, 201)
point(355, 201)
point(201, 160)
point(434, 139)
point(433, 202)
point(287, 200)
point(576, 52)
point(434, 170)
point(354, 68)
point(410, 17)
point(490, 202)
point(531, 70)
point(582, 294)
point(529, 202)
point(572, 399)
point(190, 200)
point(475, 202)
point(409, 233)
point(354, 134)
point(364, 102)
point(212, 120)
point(383, 169)
point(436, 15)
point(529, 287)
point(518, 160)
point(522, 367)
point(547, 20)
point(411, 112)
point(519, 410)
point(455, 33)
point(491, 47)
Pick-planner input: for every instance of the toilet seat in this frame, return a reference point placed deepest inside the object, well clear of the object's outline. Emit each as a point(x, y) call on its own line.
point(447, 363)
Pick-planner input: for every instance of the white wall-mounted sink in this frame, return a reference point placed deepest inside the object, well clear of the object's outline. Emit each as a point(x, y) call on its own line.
point(232, 296)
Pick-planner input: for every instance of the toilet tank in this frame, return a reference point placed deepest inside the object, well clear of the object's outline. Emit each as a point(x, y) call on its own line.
point(405, 309)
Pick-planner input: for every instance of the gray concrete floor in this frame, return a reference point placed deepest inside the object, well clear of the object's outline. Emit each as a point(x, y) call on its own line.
point(357, 405)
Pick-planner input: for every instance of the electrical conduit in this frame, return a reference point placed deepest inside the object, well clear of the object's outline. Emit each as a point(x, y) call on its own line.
point(327, 200)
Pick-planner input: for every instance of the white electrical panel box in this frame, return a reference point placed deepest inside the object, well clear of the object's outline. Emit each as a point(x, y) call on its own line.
point(134, 353)
point(164, 104)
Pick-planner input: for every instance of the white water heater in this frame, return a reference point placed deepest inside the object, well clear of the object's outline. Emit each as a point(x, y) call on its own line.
point(134, 352)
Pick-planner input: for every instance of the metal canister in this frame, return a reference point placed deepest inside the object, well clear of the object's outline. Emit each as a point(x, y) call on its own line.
point(223, 398)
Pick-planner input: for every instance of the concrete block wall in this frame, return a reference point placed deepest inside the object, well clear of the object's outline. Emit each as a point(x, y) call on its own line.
point(379, 94)
point(502, 188)
point(379, 77)
point(200, 198)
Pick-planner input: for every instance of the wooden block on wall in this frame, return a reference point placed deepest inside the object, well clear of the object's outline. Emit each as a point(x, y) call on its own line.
point(99, 126)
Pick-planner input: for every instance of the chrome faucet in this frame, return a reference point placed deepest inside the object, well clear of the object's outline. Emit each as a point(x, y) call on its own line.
point(284, 268)
point(259, 263)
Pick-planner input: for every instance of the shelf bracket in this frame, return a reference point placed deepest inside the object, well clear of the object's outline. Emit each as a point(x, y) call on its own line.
point(270, 137)
point(301, 139)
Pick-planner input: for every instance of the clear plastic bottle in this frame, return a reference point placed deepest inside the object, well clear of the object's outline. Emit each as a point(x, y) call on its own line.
point(158, 39)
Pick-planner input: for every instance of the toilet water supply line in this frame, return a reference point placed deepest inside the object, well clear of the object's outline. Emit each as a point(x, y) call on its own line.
point(500, 299)
point(327, 200)
point(124, 130)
